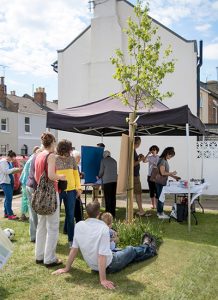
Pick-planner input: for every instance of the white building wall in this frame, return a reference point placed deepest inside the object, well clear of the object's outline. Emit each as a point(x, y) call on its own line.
point(85, 75)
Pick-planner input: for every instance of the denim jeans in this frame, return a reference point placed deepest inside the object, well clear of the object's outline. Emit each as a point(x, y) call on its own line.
point(33, 218)
point(69, 198)
point(8, 192)
point(160, 204)
point(128, 255)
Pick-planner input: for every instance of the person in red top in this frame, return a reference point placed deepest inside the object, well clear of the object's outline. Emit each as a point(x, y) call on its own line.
point(48, 225)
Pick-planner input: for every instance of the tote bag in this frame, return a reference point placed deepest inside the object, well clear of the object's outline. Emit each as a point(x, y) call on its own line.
point(44, 200)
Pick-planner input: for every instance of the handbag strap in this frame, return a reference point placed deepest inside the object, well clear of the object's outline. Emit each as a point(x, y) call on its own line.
point(45, 164)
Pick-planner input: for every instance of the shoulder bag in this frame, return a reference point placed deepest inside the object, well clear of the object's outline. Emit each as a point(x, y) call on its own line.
point(157, 177)
point(44, 200)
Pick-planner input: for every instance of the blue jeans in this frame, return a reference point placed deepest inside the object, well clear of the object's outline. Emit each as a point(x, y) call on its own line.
point(128, 255)
point(160, 205)
point(69, 198)
point(8, 192)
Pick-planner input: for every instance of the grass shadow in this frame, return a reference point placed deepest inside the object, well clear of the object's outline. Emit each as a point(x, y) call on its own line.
point(4, 293)
point(90, 280)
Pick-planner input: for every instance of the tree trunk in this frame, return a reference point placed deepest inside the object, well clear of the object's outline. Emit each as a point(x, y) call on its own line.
point(130, 193)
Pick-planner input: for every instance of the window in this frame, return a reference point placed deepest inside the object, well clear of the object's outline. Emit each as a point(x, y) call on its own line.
point(4, 124)
point(3, 150)
point(27, 124)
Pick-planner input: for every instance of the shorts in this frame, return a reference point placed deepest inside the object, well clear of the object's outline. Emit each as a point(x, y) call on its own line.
point(137, 185)
point(152, 187)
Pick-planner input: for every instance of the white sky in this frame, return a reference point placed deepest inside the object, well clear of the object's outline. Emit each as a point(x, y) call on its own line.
point(31, 31)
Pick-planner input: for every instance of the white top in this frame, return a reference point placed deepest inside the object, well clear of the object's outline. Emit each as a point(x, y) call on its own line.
point(5, 171)
point(92, 238)
point(152, 161)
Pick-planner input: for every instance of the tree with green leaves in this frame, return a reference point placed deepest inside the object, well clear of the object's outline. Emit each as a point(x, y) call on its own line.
point(141, 76)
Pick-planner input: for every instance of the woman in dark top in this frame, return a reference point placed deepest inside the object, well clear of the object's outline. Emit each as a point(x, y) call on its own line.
point(163, 166)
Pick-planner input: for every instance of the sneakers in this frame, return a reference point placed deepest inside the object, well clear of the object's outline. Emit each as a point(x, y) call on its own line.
point(13, 217)
point(70, 244)
point(162, 216)
point(5, 216)
point(148, 239)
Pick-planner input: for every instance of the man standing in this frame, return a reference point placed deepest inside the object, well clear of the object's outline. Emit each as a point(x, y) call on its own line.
point(92, 237)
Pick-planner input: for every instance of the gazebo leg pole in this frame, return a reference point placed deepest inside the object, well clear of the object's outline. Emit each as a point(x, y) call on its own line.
point(131, 168)
point(188, 177)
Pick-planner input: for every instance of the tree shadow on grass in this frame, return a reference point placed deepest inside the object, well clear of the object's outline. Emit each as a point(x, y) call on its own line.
point(123, 284)
point(4, 293)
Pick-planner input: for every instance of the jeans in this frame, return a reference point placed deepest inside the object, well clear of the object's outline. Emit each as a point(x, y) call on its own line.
point(128, 255)
point(47, 236)
point(33, 218)
point(69, 198)
point(8, 192)
point(160, 205)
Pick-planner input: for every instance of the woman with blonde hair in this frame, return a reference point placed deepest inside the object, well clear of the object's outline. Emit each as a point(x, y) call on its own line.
point(48, 225)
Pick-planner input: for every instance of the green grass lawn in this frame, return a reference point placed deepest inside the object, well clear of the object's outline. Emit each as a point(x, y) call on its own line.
point(186, 267)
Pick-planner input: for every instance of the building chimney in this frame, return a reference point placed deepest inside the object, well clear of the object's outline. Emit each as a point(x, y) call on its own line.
point(40, 96)
point(3, 92)
point(13, 93)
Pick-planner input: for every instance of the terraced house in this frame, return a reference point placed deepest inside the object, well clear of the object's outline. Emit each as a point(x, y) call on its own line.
point(23, 119)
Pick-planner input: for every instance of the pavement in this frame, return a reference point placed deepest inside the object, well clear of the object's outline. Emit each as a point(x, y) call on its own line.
point(208, 202)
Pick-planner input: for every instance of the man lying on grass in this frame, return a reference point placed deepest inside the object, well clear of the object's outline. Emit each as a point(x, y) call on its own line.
point(92, 237)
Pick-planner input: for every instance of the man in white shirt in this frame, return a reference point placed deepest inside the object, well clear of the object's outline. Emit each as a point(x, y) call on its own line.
point(92, 237)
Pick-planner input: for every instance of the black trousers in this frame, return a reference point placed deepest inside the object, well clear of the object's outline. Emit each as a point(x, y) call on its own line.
point(110, 197)
point(78, 210)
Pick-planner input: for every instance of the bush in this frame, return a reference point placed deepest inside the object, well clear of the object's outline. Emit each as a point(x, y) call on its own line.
point(131, 233)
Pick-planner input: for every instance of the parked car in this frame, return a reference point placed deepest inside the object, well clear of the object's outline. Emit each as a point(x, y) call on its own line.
point(19, 163)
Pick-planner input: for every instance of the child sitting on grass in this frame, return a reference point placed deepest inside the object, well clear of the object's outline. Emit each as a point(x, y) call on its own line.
point(108, 219)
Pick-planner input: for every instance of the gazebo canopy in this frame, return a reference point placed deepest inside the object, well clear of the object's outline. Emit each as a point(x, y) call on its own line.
point(107, 117)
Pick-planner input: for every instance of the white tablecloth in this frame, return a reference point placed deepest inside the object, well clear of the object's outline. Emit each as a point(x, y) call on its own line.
point(175, 188)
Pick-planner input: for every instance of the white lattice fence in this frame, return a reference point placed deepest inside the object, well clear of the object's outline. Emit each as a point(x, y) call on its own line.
point(207, 150)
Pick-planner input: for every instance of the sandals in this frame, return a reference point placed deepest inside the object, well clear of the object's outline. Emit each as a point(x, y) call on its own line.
point(144, 214)
point(58, 262)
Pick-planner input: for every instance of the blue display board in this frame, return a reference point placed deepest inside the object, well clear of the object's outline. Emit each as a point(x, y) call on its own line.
point(90, 162)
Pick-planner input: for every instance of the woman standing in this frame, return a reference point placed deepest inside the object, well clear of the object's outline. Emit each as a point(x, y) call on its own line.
point(48, 225)
point(7, 183)
point(108, 173)
point(152, 158)
point(66, 164)
point(164, 169)
point(78, 206)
